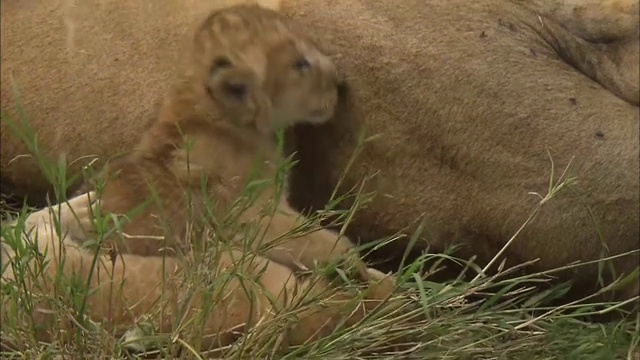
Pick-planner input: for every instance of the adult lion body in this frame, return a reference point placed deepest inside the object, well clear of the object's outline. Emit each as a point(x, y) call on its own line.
point(467, 97)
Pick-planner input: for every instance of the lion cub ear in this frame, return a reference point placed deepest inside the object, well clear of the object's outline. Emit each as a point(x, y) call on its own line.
point(237, 92)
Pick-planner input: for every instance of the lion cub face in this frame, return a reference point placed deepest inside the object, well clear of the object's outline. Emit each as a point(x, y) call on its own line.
point(279, 76)
point(302, 83)
point(236, 91)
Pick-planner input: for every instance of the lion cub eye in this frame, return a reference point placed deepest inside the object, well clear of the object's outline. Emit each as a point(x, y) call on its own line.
point(220, 62)
point(302, 64)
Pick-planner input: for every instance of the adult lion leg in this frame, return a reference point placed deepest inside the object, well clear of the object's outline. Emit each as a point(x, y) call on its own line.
point(594, 20)
point(600, 39)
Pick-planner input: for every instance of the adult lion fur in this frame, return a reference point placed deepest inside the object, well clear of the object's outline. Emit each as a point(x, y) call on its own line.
point(467, 98)
point(609, 33)
point(125, 289)
point(597, 21)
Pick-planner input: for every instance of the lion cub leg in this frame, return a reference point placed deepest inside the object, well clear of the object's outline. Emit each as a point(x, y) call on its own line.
point(241, 292)
point(223, 304)
point(70, 218)
point(126, 288)
point(50, 232)
point(278, 236)
point(316, 246)
point(144, 209)
point(322, 317)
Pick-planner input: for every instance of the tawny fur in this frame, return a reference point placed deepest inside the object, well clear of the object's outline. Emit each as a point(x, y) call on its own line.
point(283, 80)
point(124, 291)
point(486, 91)
point(602, 40)
point(594, 20)
point(466, 96)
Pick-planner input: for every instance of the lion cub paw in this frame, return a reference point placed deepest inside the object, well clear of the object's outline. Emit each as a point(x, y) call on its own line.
point(355, 268)
point(385, 284)
point(79, 216)
point(352, 264)
point(73, 216)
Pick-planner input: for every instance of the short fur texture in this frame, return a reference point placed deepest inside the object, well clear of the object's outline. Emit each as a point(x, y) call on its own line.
point(607, 48)
point(598, 21)
point(467, 96)
point(247, 74)
point(125, 290)
point(487, 88)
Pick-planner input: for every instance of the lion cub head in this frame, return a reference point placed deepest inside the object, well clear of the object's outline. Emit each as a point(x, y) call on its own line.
point(246, 72)
point(258, 70)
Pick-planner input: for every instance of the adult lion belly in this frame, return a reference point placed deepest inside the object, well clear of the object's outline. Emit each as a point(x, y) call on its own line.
point(467, 101)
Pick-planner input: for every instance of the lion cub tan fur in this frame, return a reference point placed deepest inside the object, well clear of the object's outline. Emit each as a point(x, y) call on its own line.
point(248, 73)
point(125, 289)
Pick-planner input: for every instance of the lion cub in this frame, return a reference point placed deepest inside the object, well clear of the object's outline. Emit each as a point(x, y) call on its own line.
point(132, 287)
point(248, 72)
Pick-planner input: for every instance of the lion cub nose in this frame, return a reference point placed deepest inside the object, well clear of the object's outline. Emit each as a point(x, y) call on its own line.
point(236, 89)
